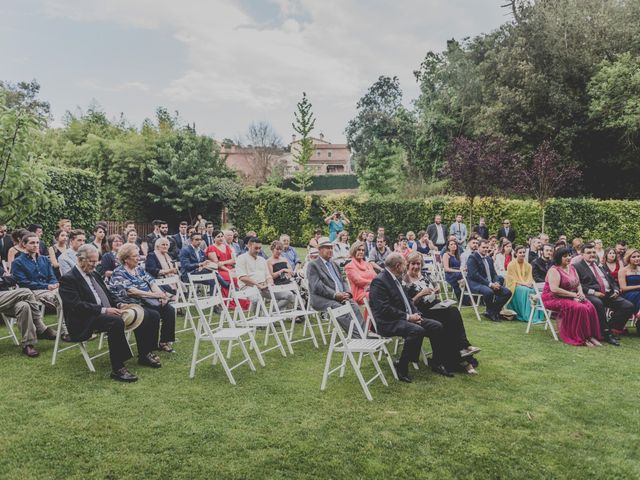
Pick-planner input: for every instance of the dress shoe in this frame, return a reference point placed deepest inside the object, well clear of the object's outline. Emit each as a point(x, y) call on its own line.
point(47, 334)
point(611, 340)
point(403, 375)
point(65, 337)
point(149, 360)
point(166, 347)
point(29, 351)
point(441, 370)
point(470, 350)
point(124, 375)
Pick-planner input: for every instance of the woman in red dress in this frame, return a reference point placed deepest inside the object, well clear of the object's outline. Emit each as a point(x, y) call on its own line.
point(222, 254)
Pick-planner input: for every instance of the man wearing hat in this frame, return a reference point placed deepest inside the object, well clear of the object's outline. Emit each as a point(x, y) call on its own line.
point(89, 307)
point(326, 287)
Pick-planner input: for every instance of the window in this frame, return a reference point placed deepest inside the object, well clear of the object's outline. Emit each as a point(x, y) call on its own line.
point(318, 152)
point(329, 154)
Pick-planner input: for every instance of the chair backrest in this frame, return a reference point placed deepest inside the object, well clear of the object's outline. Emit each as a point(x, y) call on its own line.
point(172, 280)
point(370, 318)
point(210, 302)
point(345, 309)
point(253, 295)
point(292, 287)
point(197, 279)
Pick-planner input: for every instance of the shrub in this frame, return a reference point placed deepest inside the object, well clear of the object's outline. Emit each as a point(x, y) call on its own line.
point(326, 182)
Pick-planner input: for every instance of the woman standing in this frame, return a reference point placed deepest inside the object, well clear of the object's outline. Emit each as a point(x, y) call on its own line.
point(336, 222)
point(629, 279)
point(341, 248)
point(579, 323)
point(520, 281)
point(57, 249)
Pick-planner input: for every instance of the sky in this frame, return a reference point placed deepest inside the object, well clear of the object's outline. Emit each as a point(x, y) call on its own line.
point(223, 64)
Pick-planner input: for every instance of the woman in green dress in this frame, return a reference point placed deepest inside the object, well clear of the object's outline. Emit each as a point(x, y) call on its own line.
point(520, 281)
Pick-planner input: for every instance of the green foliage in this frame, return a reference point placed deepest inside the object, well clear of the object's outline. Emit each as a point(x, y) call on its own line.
point(271, 211)
point(383, 169)
point(303, 125)
point(325, 182)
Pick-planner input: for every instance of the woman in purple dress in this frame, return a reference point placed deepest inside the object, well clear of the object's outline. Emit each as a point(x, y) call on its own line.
point(562, 293)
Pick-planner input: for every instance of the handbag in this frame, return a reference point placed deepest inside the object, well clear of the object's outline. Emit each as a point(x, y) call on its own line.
point(151, 302)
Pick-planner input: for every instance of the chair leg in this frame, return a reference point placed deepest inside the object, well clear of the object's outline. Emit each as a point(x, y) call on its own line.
point(194, 356)
point(320, 329)
point(378, 369)
point(223, 362)
point(390, 361)
point(87, 358)
point(252, 342)
point(327, 363)
point(287, 340)
point(56, 345)
point(361, 379)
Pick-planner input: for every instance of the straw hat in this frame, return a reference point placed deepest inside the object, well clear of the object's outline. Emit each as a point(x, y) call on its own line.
point(132, 315)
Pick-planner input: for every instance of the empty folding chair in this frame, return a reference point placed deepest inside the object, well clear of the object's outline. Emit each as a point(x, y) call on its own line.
point(180, 303)
point(474, 297)
point(348, 346)
point(538, 305)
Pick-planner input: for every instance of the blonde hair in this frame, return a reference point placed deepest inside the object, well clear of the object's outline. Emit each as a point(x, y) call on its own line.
point(127, 250)
point(354, 248)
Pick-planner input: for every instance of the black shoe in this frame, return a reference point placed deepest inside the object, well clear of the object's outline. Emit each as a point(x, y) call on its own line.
point(47, 334)
point(403, 376)
point(441, 370)
point(149, 360)
point(29, 351)
point(610, 339)
point(124, 375)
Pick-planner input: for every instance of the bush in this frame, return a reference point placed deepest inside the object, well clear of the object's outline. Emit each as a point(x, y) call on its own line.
point(79, 192)
point(326, 182)
point(272, 211)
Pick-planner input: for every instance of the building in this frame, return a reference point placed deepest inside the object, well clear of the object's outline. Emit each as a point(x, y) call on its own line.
point(328, 158)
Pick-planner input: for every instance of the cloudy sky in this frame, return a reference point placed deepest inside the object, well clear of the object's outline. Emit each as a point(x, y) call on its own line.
point(225, 63)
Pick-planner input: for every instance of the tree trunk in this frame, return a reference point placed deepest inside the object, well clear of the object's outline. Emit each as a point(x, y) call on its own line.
point(542, 205)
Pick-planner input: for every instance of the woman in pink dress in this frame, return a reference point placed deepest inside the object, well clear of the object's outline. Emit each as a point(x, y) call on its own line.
point(359, 274)
point(562, 293)
point(222, 254)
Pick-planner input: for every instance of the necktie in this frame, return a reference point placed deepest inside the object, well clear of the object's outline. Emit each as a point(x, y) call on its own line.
point(600, 282)
point(407, 306)
point(334, 276)
point(104, 300)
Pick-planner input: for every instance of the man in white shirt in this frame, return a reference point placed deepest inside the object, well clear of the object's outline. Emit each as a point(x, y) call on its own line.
point(438, 232)
point(472, 246)
point(459, 229)
point(68, 259)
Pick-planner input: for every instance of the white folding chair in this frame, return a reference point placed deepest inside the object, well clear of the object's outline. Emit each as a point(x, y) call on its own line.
point(298, 310)
point(196, 289)
point(538, 306)
point(10, 322)
point(323, 319)
point(260, 318)
point(181, 302)
point(219, 334)
point(349, 346)
point(474, 297)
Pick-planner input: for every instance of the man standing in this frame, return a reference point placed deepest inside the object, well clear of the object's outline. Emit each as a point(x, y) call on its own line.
point(483, 279)
point(5, 242)
point(459, 229)
point(68, 259)
point(506, 231)
point(34, 271)
point(397, 316)
point(541, 265)
point(481, 229)
point(379, 254)
point(438, 232)
point(207, 236)
point(600, 289)
point(181, 238)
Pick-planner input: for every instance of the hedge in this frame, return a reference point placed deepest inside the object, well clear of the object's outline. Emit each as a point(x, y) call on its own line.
point(79, 193)
point(271, 211)
point(326, 182)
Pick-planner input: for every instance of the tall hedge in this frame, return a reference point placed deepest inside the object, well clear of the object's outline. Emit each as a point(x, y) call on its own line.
point(271, 211)
point(326, 182)
point(78, 190)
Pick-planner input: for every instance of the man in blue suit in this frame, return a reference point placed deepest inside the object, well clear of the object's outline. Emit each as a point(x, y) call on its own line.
point(483, 279)
point(192, 261)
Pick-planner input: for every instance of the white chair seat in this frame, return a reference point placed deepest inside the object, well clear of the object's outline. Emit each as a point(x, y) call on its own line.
point(228, 333)
point(363, 345)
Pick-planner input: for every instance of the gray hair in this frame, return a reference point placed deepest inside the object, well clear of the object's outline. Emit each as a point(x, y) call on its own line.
point(393, 260)
point(84, 251)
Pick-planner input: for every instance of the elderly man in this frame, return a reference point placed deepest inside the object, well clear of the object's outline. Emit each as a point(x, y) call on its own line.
point(252, 270)
point(397, 316)
point(326, 287)
point(68, 259)
point(89, 307)
point(290, 253)
point(23, 305)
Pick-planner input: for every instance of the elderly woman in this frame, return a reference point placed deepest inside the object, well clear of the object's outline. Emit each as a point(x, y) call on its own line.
point(341, 248)
point(359, 272)
point(423, 291)
point(109, 260)
point(131, 284)
point(159, 263)
point(519, 281)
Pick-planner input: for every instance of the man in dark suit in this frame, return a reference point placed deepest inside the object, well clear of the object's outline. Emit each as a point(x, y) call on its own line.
point(5, 242)
point(397, 316)
point(369, 244)
point(192, 261)
point(600, 289)
point(483, 279)
point(438, 232)
point(207, 236)
point(153, 236)
point(89, 307)
point(181, 239)
point(541, 265)
point(506, 231)
point(481, 229)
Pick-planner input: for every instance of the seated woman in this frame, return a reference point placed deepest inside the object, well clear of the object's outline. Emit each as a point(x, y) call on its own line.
point(58, 248)
point(423, 292)
point(313, 243)
point(131, 284)
point(451, 265)
point(578, 318)
point(424, 245)
point(278, 266)
point(159, 264)
point(612, 263)
point(109, 260)
point(629, 279)
point(402, 246)
point(341, 248)
point(17, 249)
point(519, 281)
point(503, 258)
point(411, 241)
point(221, 254)
point(359, 272)
point(131, 237)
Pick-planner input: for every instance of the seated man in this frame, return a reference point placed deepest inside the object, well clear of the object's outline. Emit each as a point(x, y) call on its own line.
point(252, 270)
point(68, 259)
point(397, 316)
point(483, 279)
point(192, 261)
point(89, 307)
point(541, 265)
point(326, 287)
point(600, 289)
point(472, 247)
point(378, 255)
point(34, 271)
point(23, 305)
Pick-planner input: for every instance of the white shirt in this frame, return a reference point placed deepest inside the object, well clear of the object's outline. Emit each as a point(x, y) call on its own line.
point(67, 261)
point(93, 290)
point(256, 268)
point(440, 236)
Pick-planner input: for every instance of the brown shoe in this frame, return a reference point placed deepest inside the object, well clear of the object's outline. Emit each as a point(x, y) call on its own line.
point(29, 351)
point(47, 334)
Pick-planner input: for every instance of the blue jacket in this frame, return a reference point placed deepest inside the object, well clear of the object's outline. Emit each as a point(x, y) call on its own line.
point(477, 274)
point(189, 261)
point(34, 275)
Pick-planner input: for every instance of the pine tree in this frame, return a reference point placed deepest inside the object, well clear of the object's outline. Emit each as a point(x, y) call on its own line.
point(303, 126)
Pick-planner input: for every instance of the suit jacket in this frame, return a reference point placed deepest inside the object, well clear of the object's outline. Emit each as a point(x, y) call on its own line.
point(483, 231)
point(386, 301)
point(588, 279)
point(152, 265)
point(433, 232)
point(151, 240)
point(477, 274)
point(79, 303)
point(539, 269)
point(189, 261)
point(7, 243)
point(177, 239)
point(322, 288)
point(511, 236)
point(208, 239)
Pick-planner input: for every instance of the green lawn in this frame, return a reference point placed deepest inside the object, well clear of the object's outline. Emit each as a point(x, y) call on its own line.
point(538, 409)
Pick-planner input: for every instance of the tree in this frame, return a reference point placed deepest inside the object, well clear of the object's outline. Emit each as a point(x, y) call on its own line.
point(381, 176)
point(477, 168)
point(302, 153)
point(266, 145)
point(545, 175)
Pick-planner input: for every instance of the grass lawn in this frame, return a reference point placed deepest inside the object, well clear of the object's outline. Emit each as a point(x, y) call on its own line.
point(538, 409)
